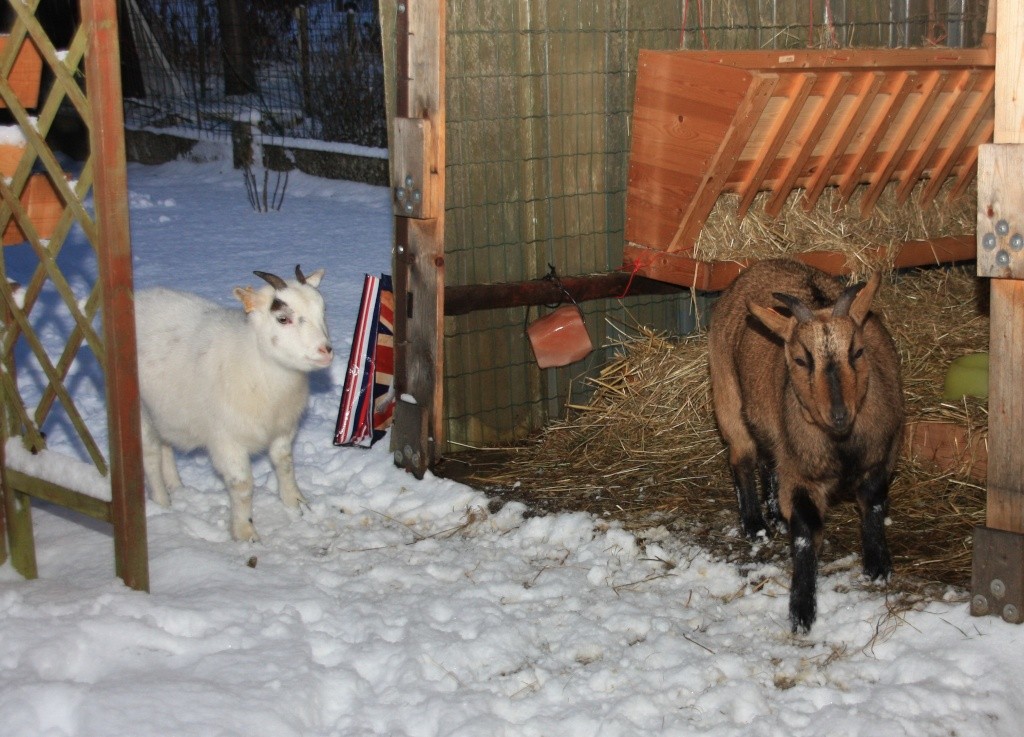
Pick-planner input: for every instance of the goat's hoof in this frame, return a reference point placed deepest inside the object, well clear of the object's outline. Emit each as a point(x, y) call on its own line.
point(879, 571)
point(801, 618)
point(245, 533)
point(756, 531)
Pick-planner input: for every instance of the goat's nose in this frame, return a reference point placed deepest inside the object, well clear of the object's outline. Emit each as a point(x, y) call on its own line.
point(326, 349)
point(840, 416)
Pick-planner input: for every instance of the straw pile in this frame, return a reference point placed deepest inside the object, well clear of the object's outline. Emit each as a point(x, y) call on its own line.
point(831, 225)
point(645, 449)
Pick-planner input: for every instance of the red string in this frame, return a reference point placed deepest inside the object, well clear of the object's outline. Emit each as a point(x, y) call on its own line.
point(636, 268)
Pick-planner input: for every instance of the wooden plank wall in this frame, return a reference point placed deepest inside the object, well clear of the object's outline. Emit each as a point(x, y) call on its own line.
point(539, 96)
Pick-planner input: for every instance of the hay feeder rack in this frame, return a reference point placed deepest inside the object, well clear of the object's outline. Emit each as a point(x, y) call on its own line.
point(786, 121)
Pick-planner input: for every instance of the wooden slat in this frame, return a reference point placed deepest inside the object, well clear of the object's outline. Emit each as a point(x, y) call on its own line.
point(875, 130)
point(106, 139)
point(796, 95)
point(958, 139)
point(418, 431)
point(832, 59)
point(936, 129)
point(844, 131)
point(837, 84)
point(900, 141)
point(969, 163)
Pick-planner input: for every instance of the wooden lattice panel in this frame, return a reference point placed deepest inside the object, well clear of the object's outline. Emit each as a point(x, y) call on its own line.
point(745, 122)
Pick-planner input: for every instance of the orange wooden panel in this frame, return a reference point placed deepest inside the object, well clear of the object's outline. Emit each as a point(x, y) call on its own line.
point(680, 121)
point(10, 155)
point(44, 208)
point(26, 73)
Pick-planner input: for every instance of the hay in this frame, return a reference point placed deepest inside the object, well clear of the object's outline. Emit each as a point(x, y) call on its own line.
point(645, 449)
point(832, 225)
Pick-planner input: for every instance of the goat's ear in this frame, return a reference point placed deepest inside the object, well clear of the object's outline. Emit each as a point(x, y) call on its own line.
point(861, 305)
point(779, 324)
point(251, 299)
point(313, 279)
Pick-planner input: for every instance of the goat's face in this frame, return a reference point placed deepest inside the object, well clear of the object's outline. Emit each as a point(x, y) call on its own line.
point(288, 318)
point(826, 355)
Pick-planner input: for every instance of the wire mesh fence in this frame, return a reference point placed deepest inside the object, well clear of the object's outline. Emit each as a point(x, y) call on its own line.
point(303, 72)
point(540, 96)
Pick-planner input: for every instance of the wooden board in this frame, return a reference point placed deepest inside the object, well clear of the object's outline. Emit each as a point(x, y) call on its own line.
point(744, 122)
point(43, 206)
point(25, 74)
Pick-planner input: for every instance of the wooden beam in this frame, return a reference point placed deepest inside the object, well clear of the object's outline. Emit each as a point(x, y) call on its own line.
point(114, 257)
point(999, 546)
point(461, 300)
point(418, 430)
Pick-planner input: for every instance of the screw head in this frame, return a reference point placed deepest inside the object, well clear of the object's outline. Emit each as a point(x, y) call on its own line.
point(1002, 258)
point(998, 588)
point(988, 241)
point(408, 181)
point(1011, 614)
point(398, 458)
point(1017, 242)
point(1002, 227)
point(400, 194)
point(979, 605)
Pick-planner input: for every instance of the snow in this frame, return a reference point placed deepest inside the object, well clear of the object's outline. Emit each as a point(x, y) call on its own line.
point(395, 606)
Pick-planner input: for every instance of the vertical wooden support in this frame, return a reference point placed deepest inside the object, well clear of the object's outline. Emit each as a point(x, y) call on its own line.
point(106, 138)
point(417, 179)
point(998, 552)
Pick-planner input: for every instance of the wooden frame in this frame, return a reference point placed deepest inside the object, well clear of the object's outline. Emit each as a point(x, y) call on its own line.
point(744, 122)
point(106, 227)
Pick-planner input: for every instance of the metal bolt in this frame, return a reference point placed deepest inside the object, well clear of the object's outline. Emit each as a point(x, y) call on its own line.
point(409, 181)
point(988, 241)
point(398, 458)
point(409, 453)
point(1017, 242)
point(1011, 614)
point(998, 588)
point(1002, 227)
point(1002, 258)
point(979, 605)
point(400, 193)
point(401, 248)
point(401, 7)
point(408, 208)
point(417, 196)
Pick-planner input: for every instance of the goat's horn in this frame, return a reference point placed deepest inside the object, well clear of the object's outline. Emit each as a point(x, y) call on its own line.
point(299, 275)
point(800, 311)
point(842, 308)
point(272, 279)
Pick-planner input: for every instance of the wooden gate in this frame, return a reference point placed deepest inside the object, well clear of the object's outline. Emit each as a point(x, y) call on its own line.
point(40, 204)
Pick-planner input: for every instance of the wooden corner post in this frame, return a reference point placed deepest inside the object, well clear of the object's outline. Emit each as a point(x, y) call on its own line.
point(997, 581)
point(417, 183)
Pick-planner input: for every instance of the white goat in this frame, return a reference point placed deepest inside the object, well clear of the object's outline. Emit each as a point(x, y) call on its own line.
point(234, 383)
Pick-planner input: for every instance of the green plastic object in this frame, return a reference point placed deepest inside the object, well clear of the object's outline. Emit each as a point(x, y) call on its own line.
point(967, 377)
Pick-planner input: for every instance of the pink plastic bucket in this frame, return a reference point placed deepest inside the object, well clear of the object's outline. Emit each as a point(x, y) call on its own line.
point(560, 338)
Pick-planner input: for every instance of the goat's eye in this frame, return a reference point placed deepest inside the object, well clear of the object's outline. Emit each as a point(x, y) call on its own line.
point(857, 354)
point(800, 362)
point(284, 319)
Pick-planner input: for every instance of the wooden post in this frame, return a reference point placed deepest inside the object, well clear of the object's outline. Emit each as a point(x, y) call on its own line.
point(418, 181)
point(997, 585)
point(106, 138)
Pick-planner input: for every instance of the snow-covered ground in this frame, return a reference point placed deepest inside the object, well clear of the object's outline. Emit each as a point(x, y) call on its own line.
point(401, 607)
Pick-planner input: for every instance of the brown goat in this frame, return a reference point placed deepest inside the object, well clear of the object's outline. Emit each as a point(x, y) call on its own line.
point(807, 394)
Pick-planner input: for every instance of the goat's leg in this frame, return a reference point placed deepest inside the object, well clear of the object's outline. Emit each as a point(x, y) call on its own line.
point(284, 468)
point(744, 478)
point(169, 468)
point(806, 525)
point(873, 505)
point(742, 450)
point(770, 489)
point(233, 466)
point(151, 454)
